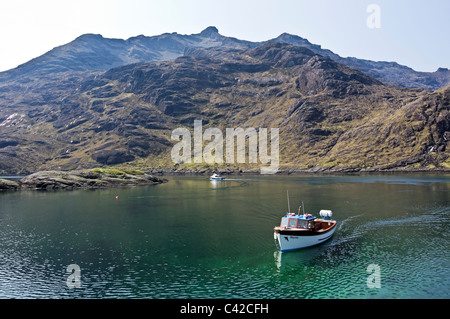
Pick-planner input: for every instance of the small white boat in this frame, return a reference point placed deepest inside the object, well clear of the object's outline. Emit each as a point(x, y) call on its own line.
point(216, 177)
point(300, 231)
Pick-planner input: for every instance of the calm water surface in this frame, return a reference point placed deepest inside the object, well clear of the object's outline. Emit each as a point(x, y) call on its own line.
point(193, 238)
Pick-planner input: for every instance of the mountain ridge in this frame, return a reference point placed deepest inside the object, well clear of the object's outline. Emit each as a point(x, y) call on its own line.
point(93, 52)
point(62, 111)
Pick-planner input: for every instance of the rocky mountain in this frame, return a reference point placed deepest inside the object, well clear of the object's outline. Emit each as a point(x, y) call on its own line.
point(92, 52)
point(331, 117)
point(387, 72)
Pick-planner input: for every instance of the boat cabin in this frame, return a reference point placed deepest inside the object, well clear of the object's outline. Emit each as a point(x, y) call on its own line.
point(297, 221)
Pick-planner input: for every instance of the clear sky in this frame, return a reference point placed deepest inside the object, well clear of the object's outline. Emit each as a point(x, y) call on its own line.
point(412, 32)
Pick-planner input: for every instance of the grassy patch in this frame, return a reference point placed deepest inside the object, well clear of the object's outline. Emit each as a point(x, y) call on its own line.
point(446, 164)
point(8, 182)
point(109, 171)
point(133, 171)
point(117, 172)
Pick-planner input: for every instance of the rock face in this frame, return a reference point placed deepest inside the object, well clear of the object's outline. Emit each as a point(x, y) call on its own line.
point(47, 180)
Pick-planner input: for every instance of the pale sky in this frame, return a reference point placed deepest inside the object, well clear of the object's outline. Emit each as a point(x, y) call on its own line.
point(412, 32)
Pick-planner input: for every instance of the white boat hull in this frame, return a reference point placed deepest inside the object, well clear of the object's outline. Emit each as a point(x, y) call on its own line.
point(292, 242)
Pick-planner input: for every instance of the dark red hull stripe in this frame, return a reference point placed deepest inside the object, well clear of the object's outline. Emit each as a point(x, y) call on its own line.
point(304, 232)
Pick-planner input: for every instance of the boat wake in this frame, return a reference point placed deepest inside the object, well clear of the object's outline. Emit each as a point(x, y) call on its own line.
point(248, 179)
point(418, 219)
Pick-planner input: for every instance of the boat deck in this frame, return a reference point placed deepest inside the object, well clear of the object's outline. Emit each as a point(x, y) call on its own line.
point(320, 226)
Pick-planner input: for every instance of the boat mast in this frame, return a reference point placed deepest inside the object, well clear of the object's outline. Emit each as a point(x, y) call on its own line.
point(289, 206)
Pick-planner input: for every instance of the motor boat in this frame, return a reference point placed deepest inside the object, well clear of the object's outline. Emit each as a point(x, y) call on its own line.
point(216, 177)
point(298, 231)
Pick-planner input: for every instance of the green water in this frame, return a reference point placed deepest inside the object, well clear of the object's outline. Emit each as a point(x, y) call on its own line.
point(192, 238)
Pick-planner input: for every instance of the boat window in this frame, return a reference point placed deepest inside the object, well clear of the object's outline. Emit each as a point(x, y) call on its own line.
point(292, 223)
point(302, 224)
point(284, 221)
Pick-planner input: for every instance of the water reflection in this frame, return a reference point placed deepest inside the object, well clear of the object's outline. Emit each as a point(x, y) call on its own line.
point(302, 257)
point(217, 184)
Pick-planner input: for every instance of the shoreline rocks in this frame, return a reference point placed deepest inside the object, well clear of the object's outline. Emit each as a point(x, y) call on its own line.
point(6, 184)
point(88, 179)
point(293, 171)
point(109, 178)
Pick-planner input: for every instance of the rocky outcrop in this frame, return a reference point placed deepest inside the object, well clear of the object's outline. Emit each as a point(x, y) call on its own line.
point(6, 184)
point(95, 178)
